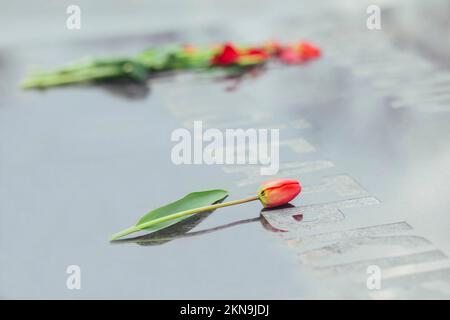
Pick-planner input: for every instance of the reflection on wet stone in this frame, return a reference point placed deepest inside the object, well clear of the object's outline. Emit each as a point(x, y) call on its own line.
point(314, 216)
point(323, 236)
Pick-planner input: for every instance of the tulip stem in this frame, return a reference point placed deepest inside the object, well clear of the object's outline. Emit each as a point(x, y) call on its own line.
point(177, 215)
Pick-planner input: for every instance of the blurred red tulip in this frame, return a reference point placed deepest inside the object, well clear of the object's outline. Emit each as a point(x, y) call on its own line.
point(228, 55)
point(298, 53)
point(308, 51)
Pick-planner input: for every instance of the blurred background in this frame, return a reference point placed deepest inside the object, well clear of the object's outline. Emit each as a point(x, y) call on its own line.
point(423, 23)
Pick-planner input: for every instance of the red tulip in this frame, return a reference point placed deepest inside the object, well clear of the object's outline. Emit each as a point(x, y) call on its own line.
point(276, 192)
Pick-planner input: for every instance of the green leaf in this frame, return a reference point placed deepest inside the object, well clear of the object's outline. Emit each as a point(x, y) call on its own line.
point(191, 201)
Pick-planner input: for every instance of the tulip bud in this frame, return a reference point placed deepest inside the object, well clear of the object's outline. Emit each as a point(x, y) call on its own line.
point(276, 192)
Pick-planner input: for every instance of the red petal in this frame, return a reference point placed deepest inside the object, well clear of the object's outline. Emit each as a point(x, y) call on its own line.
point(228, 55)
